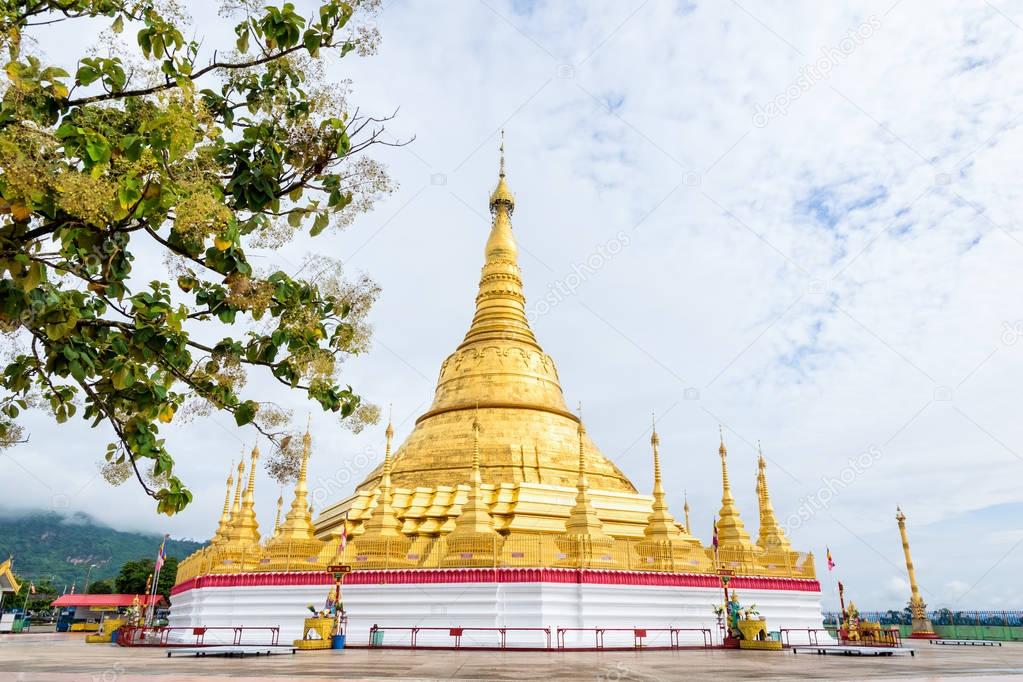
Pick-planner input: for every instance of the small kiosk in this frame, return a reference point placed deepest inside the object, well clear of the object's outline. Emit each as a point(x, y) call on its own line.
point(92, 612)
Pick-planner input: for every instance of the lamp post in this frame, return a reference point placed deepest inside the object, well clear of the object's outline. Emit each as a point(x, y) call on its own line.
point(87, 574)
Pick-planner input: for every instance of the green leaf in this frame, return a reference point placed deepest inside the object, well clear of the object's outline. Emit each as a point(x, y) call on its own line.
point(320, 224)
point(118, 24)
point(245, 412)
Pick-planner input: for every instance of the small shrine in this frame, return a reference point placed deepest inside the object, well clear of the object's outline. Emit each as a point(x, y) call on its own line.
point(744, 628)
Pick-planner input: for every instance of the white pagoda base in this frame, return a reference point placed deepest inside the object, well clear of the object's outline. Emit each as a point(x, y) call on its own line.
point(492, 598)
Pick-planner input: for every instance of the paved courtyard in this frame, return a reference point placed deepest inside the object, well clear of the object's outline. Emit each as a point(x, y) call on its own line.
point(63, 658)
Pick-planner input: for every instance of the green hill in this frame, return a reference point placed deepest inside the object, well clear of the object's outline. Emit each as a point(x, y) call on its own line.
point(47, 545)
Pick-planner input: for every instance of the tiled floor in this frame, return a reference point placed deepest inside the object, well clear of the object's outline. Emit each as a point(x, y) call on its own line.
point(59, 658)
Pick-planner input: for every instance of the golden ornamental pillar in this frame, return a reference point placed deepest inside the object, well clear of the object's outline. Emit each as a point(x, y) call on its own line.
point(921, 628)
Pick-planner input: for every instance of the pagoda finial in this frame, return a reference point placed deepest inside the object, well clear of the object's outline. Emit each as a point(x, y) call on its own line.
point(731, 531)
point(501, 200)
point(388, 463)
point(476, 477)
point(383, 520)
point(501, 171)
point(583, 519)
point(772, 536)
point(298, 522)
point(236, 506)
point(685, 508)
point(723, 451)
point(475, 519)
point(277, 517)
point(247, 527)
point(655, 441)
point(581, 431)
point(660, 525)
point(225, 515)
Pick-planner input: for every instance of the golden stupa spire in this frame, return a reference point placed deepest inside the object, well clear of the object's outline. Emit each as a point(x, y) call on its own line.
point(384, 520)
point(685, 508)
point(583, 519)
point(501, 303)
point(298, 523)
point(731, 531)
point(231, 532)
point(771, 536)
point(236, 506)
point(475, 518)
point(277, 516)
point(660, 525)
point(225, 516)
point(247, 527)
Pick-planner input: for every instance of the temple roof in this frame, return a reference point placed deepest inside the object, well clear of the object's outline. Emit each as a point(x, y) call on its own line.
point(526, 432)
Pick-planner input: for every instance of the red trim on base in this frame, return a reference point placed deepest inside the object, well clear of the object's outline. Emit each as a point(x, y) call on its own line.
point(500, 575)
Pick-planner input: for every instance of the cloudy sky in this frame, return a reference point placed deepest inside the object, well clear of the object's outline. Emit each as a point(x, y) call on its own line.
point(792, 219)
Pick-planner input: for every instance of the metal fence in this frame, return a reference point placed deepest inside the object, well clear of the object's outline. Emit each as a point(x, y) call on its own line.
point(939, 617)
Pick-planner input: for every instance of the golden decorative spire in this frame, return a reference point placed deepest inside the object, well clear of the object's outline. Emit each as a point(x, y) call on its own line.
point(475, 519)
point(685, 508)
point(277, 516)
point(731, 531)
point(225, 516)
point(772, 536)
point(501, 303)
point(661, 524)
point(384, 521)
point(231, 533)
point(921, 626)
point(583, 519)
point(502, 198)
point(247, 527)
point(298, 524)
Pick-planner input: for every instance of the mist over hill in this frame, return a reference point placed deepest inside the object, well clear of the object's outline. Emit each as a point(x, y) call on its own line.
point(61, 547)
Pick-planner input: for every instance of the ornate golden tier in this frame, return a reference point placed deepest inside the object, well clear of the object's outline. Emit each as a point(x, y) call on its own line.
point(497, 472)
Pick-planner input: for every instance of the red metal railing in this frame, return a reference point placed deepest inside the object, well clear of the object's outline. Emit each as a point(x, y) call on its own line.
point(638, 635)
point(131, 635)
point(811, 635)
point(457, 633)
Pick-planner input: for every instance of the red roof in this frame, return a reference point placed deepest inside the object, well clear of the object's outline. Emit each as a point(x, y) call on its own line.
point(105, 600)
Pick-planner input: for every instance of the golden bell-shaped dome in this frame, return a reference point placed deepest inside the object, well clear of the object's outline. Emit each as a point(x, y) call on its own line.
point(501, 370)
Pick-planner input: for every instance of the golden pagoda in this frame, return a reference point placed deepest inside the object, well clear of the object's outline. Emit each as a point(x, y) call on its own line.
point(528, 451)
point(497, 472)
